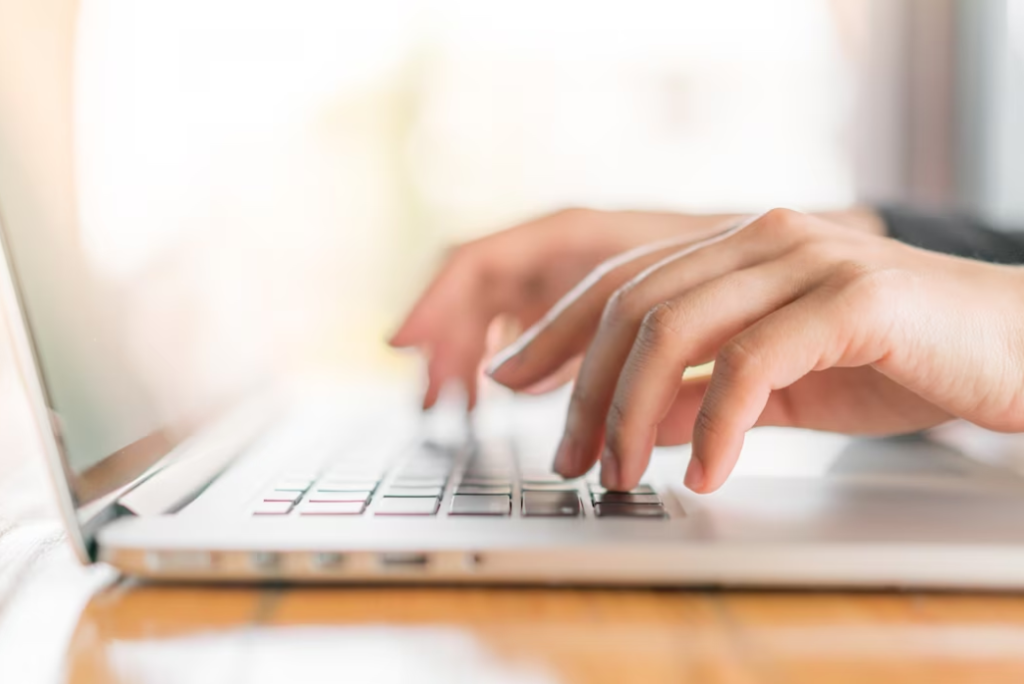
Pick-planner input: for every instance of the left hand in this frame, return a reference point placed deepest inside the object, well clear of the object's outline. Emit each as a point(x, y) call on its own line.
point(810, 324)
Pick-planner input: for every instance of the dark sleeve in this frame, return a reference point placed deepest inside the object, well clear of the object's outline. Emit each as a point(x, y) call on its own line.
point(954, 234)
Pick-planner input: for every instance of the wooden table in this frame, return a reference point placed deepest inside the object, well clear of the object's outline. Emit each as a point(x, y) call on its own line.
point(142, 633)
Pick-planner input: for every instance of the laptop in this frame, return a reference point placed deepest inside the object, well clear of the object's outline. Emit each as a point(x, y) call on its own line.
point(352, 486)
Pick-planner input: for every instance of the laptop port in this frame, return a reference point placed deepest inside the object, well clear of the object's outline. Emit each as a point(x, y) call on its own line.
point(327, 560)
point(178, 561)
point(266, 561)
point(404, 560)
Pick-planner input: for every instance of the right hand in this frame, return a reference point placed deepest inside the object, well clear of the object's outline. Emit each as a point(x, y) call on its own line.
point(523, 272)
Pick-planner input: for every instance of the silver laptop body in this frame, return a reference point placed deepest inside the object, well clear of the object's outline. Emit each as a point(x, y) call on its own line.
point(353, 486)
point(840, 512)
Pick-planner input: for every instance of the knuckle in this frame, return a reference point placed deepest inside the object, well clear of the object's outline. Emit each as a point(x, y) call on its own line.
point(705, 422)
point(660, 324)
point(579, 405)
point(780, 221)
point(466, 256)
point(736, 358)
point(623, 305)
point(575, 223)
point(572, 214)
point(615, 419)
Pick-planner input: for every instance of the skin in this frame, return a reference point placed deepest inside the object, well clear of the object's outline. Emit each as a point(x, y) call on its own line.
point(818, 322)
point(519, 274)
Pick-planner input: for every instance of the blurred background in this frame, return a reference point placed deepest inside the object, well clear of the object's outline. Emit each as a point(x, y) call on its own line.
point(324, 153)
point(268, 184)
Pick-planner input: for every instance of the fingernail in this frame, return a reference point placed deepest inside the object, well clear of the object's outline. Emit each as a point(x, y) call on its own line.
point(609, 469)
point(694, 479)
point(511, 352)
point(501, 360)
point(565, 457)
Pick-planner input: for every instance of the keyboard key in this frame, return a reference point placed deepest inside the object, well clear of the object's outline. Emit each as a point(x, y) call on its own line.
point(430, 447)
point(481, 505)
point(290, 497)
point(548, 487)
point(272, 508)
point(321, 495)
point(481, 490)
point(308, 475)
point(542, 478)
point(627, 498)
point(474, 481)
point(406, 506)
point(414, 492)
point(332, 508)
point(639, 489)
point(346, 474)
point(403, 481)
point(496, 467)
point(565, 504)
point(618, 510)
point(347, 485)
point(435, 477)
point(495, 450)
point(293, 485)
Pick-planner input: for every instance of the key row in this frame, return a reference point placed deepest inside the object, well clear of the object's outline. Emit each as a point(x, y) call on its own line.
point(548, 504)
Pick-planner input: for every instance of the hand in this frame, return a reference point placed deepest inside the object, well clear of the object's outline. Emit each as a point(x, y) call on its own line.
point(810, 324)
point(522, 272)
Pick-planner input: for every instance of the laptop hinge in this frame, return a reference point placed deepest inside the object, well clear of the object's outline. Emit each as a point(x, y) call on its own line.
point(194, 464)
point(179, 483)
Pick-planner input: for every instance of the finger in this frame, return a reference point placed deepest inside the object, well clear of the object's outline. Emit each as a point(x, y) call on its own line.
point(505, 271)
point(450, 322)
point(455, 358)
point(682, 332)
point(566, 374)
point(675, 429)
point(818, 331)
point(607, 353)
point(520, 272)
point(452, 282)
point(564, 331)
point(478, 279)
point(677, 426)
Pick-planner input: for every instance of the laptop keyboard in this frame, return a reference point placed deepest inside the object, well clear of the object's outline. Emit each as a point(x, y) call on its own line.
point(444, 480)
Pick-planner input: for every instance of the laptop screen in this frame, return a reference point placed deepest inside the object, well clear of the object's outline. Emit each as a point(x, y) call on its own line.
point(123, 377)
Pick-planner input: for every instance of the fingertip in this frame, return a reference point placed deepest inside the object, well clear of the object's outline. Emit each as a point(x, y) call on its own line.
point(430, 396)
point(563, 458)
point(610, 471)
point(570, 460)
point(695, 478)
point(712, 460)
point(402, 337)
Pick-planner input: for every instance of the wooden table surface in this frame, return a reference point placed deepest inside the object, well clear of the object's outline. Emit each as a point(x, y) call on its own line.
point(145, 633)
